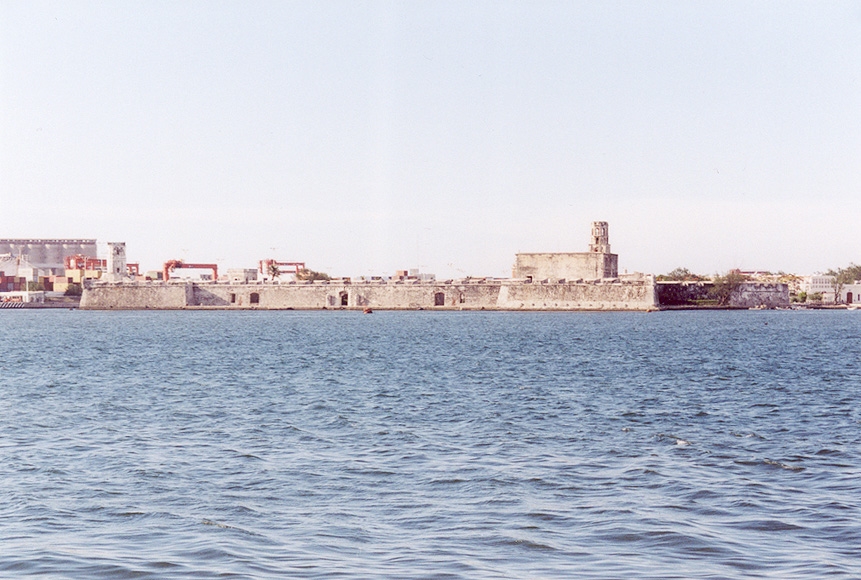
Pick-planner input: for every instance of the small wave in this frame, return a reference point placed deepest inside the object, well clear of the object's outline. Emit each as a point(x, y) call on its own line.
point(828, 452)
point(223, 526)
point(750, 435)
point(783, 465)
point(529, 545)
point(768, 526)
point(676, 440)
point(450, 481)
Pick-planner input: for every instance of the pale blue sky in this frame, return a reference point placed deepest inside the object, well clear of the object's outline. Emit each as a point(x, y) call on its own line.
point(364, 137)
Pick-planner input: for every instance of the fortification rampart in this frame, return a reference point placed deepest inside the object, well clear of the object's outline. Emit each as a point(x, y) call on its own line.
point(760, 295)
point(136, 296)
point(468, 294)
point(568, 266)
point(745, 295)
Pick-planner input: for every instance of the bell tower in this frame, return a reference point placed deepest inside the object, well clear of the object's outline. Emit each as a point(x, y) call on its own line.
point(600, 238)
point(116, 262)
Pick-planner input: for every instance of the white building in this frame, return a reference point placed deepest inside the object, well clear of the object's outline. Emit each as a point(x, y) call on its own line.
point(23, 297)
point(851, 293)
point(19, 267)
point(819, 284)
point(241, 275)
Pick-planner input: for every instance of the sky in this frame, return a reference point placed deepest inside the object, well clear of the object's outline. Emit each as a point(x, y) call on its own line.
point(364, 137)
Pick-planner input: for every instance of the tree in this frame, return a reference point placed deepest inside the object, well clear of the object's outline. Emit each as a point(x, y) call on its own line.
point(680, 275)
point(274, 271)
point(852, 272)
point(311, 275)
point(724, 286)
point(74, 290)
point(842, 277)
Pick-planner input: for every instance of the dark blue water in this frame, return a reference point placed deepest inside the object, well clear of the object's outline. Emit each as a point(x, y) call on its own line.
point(430, 445)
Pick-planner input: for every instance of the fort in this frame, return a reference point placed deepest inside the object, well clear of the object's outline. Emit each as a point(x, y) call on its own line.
point(540, 281)
point(464, 294)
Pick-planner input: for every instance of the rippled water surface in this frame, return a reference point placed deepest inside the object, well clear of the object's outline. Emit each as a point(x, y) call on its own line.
point(430, 445)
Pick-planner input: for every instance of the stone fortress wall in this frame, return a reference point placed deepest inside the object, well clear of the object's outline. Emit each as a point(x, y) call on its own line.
point(468, 294)
point(746, 295)
point(562, 266)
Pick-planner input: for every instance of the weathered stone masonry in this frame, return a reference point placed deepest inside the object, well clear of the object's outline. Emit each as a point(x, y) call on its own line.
point(472, 294)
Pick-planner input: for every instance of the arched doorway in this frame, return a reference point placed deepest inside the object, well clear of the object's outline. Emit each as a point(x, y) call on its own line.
point(849, 298)
point(439, 299)
point(255, 298)
point(345, 299)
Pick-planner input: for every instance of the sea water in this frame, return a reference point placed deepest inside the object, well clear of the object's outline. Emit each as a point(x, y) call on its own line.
point(189, 444)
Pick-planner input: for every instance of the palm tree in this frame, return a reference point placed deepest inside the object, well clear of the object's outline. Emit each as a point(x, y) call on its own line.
point(274, 271)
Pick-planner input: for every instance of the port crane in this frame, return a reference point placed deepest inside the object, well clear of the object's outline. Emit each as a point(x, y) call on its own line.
point(171, 265)
point(266, 264)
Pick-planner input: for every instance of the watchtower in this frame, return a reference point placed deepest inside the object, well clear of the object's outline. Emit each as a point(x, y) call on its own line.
point(600, 238)
point(116, 262)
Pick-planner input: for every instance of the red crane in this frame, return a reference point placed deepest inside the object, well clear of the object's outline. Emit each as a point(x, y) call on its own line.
point(264, 265)
point(171, 265)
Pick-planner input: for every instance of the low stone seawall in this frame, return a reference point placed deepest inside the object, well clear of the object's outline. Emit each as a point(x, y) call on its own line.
point(760, 295)
point(472, 294)
point(135, 296)
point(746, 295)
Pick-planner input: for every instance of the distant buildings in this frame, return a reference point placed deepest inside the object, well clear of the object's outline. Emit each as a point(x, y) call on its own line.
point(851, 293)
point(56, 265)
point(825, 286)
point(819, 284)
point(47, 256)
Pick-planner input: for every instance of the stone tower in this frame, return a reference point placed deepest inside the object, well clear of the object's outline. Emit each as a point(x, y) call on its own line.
point(600, 238)
point(116, 262)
